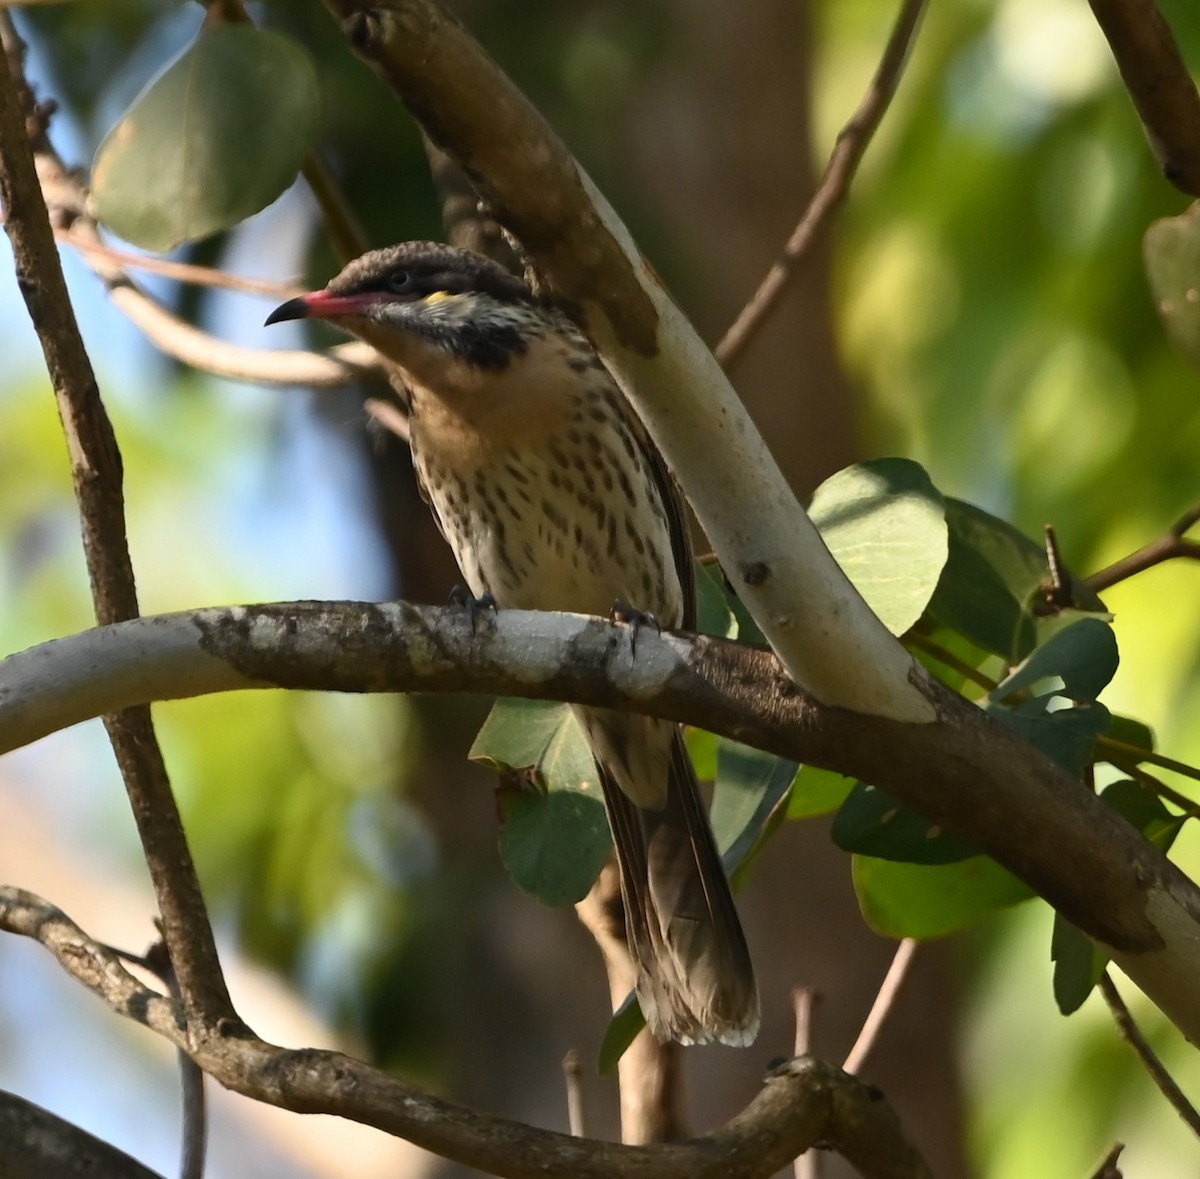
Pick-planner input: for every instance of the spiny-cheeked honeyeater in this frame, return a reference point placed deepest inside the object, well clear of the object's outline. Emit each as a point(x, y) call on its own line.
point(553, 497)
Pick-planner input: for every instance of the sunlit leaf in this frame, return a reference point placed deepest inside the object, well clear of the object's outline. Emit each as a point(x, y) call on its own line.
point(884, 524)
point(925, 901)
point(817, 792)
point(214, 138)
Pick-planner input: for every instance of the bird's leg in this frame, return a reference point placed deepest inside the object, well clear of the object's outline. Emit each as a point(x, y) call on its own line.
point(622, 611)
point(462, 597)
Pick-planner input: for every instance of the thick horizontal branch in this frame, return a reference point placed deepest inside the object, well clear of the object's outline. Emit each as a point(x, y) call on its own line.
point(800, 1103)
point(963, 771)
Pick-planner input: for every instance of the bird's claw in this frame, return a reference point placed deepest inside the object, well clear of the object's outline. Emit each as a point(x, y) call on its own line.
point(462, 597)
point(622, 611)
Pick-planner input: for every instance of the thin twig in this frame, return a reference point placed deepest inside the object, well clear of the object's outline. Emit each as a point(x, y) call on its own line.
point(843, 162)
point(804, 1000)
point(388, 415)
point(572, 1068)
point(185, 272)
point(1122, 749)
point(1167, 547)
point(1108, 1168)
point(881, 1008)
point(949, 659)
point(1150, 1061)
point(342, 227)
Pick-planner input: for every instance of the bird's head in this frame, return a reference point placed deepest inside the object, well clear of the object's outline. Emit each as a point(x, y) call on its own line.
point(419, 301)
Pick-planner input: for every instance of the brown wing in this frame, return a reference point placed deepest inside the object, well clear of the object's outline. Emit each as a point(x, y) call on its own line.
point(681, 538)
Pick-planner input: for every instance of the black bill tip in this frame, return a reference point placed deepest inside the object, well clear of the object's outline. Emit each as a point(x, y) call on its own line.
point(293, 309)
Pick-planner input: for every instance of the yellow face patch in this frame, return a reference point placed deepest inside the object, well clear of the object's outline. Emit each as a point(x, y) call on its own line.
point(440, 296)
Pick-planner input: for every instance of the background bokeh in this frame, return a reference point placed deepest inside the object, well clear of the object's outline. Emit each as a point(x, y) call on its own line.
point(980, 306)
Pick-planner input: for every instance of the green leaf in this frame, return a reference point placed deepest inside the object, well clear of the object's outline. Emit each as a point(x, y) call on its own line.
point(1132, 732)
point(1171, 251)
point(1078, 663)
point(1081, 659)
point(714, 616)
point(925, 901)
point(215, 137)
point(749, 789)
point(884, 523)
point(992, 583)
point(1078, 964)
point(817, 792)
point(554, 836)
point(1068, 735)
point(536, 735)
point(702, 749)
point(622, 1030)
point(873, 823)
point(1145, 810)
point(553, 845)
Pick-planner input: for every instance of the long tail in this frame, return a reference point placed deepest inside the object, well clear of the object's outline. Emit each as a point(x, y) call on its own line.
point(695, 980)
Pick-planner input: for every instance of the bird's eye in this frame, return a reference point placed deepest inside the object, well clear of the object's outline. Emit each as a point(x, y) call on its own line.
point(401, 282)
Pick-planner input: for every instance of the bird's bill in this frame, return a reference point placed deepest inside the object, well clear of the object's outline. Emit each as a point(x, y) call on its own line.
point(319, 305)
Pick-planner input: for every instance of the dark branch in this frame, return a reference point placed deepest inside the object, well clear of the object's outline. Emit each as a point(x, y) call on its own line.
point(1158, 81)
point(96, 471)
point(799, 1104)
point(1173, 544)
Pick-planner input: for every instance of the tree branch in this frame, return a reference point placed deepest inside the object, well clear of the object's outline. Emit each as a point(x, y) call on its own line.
point(1159, 83)
point(36, 1144)
point(96, 472)
point(852, 142)
point(962, 771)
point(800, 1103)
point(1132, 1034)
point(1173, 544)
point(834, 644)
point(885, 999)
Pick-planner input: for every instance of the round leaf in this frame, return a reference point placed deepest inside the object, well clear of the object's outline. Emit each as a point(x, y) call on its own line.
point(1171, 249)
point(884, 523)
point(922, 901)
point(214, 138)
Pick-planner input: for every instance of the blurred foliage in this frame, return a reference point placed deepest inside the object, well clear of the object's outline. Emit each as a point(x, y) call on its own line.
point(993, 307)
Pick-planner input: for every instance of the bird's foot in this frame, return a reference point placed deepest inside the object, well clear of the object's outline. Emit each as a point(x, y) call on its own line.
point(622, 611)
point(463, 598)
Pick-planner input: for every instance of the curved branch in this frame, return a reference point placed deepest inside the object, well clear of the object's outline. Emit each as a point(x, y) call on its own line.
point(1159, 83)
point(824, 632)
point(962, 771)
point(800, 1103)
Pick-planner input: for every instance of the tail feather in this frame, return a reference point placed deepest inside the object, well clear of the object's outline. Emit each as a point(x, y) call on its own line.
point(695, 979)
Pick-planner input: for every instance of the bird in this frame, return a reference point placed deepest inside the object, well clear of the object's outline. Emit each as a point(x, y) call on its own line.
point(552, 496)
